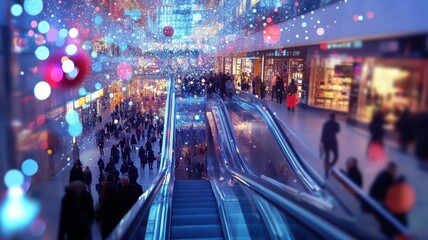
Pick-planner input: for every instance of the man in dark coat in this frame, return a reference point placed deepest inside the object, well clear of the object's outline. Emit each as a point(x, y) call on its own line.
point(353, 172)
point(77, 212)
point(107, 214)
point(151, 158)
point(329, 142)
point(76, 172)
point(382, 182)
point(142, 156)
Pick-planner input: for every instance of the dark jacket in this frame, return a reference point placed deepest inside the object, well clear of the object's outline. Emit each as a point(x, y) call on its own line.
point(355, 175)
point(142, 155)
point(380, 186)
point(328, 135)
point(76, 173)
point(151, 156)
point(77, 212)
point(292, 89)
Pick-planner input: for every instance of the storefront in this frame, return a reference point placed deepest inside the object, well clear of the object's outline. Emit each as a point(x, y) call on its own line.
point(359, 78)
point(288, 63)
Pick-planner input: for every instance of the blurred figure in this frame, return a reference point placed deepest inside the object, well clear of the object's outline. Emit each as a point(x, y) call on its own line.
point(400, 199)
point(376, 128)
point(107, 216)
point(77, 213)
point(100, 165)
point(230, 88)
point(422, 139)
point(382, 182)
point(151, 158)
point(404, 129)
point(143, 157)
point(133, 142)
point(279, 90)
point(291, 95)
point(329, 142)
point(353, 172)
point(273, 86)
point(88, 177)
point(125, 197)
point(76, 173)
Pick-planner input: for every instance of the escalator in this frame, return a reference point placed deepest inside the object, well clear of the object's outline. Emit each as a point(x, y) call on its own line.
point(253, 122)
point(227, 204)
point(194, 211)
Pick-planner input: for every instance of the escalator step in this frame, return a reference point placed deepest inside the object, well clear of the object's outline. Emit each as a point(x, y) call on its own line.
point(191, 211)
point(196, 231)
point(201, 219)
point(185, 200)
point(211, 204)
point(213, 238)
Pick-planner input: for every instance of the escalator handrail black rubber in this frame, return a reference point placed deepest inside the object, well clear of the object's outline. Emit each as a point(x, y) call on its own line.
point(130, 223)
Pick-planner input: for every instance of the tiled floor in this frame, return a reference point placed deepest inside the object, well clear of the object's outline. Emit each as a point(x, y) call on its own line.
point(304, 129)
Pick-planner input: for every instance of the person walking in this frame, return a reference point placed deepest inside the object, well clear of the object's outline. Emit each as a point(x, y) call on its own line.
point(404, 128)
point(143, 157)
point(382, 182)
point(151, 158)
point(329, 142)
point(230, 88)
point(279, 90)
point(76, 173)
point(353, 172)
point(77, 213)
point(291, 96)
point(133, 142)
point(273, 86)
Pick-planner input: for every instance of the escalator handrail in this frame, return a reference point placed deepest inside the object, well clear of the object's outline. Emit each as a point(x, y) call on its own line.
point(281, 199)
point(380, 211)
point(343, 179)
point(130, 222)
point(308, 175)
point(231, 133)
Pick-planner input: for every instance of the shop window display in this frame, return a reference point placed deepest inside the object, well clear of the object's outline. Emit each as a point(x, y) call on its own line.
point(390, 86)
point(296, 72)
point(331, 84)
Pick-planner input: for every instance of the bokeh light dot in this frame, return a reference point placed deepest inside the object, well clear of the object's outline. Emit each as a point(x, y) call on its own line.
point(320, 31)
point(42, 53)
point(73, 33)
point(13, 178)
point(33, 24)
point(63, 33)
point(59, 42)
point(98, 86)
point(56, 74)
point(75, 130)
point(30, 33)
point(38, 227)
point(33, 7)
point(304, 24)
point(52, 35)
point(29, 167)
point(111, 95)
point(16, 10)
point(43, 27)
point(42, 90)
point(82, 91)
point(72, 116)
point(98, 20)
point(68, 66)
point(71, 49)
point(73, 74)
